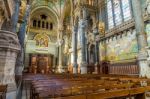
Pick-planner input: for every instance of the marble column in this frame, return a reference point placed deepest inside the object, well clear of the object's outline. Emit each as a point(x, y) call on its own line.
point(15, 16)
point(21, 36)
point(95, 31)
point(83, 65)
point(74, 48)
point(22, 30)
point(144, 69)
point(9, 48)
point(60, 67)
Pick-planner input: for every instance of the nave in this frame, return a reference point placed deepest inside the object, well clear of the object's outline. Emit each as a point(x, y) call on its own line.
point(74, 49)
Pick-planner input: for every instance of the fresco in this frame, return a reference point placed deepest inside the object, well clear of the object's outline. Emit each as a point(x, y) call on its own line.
point(41, 40)
point(147, 29)
point(120, 47)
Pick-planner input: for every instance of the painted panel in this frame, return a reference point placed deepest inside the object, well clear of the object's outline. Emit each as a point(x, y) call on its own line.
point(120, 47)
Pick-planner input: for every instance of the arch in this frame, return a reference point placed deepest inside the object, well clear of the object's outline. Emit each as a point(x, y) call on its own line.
point(52, 12)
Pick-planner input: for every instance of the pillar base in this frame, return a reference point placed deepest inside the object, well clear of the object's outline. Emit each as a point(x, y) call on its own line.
point(144, 68)
point(96, 68)
point(83, 67)
point(60, 69)
point(75, 68)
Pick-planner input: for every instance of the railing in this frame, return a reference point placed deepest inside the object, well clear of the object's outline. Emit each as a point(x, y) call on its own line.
point(130, 68)
point(119, 68)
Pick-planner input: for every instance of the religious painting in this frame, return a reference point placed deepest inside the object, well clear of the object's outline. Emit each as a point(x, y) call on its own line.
point(42, 40)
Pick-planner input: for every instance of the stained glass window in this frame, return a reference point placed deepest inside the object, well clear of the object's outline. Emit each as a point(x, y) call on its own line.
point(117, 12)
point(126, 10)
point(110, 14)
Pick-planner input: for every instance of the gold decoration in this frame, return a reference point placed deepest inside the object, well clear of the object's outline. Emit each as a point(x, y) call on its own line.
point(22, 11)
point(102, 28)
point(42, 40)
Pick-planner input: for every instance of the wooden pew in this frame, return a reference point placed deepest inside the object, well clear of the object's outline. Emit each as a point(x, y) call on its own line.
point(87, 86)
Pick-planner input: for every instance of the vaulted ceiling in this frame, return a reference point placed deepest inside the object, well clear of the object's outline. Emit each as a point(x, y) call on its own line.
point(59, 8)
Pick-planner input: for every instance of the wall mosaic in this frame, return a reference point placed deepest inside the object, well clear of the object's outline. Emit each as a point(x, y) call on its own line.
point(121, 47)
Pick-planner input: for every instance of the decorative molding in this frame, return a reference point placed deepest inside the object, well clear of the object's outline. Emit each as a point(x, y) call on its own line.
point(9, 40)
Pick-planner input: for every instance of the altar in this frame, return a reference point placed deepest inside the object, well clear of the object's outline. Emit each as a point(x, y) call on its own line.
point(41, 63)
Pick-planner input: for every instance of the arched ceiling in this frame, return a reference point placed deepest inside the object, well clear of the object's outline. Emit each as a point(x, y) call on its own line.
point(46, 11)
point(60, 8)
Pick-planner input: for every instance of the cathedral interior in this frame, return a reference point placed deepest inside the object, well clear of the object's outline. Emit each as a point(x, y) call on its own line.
point(74, 49)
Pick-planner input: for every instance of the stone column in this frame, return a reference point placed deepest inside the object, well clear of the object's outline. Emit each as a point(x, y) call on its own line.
point(22, 29)
point(74, 48)
point(9, 48)
point(141, 39)
point(60, 67)
point(15, 16)
point(21, 36)
point(95, 31)
point(83, 65)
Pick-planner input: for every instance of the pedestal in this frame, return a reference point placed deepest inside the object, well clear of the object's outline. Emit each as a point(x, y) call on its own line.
point(83, 68)
point(60, 69)
point(75, 68)
point(9, 47)
point(96, 68)
point(144, 68)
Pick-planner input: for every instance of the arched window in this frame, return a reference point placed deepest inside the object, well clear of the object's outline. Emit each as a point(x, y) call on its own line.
point(118, 11)
point(110, 14)
point(126, 10)
point(34, 23)
point(39, 24)
point(46, 25)
point(43, 24)
point(51, 26)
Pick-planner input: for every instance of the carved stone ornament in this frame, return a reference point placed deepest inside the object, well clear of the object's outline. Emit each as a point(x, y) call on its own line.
point(9, 40)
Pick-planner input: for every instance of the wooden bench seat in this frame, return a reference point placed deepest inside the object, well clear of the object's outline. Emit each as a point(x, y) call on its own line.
point(87, 86)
